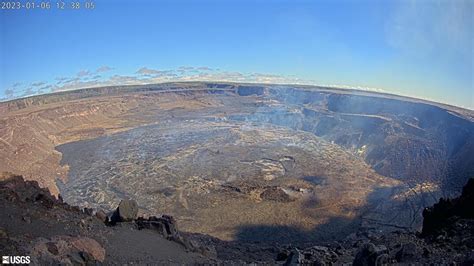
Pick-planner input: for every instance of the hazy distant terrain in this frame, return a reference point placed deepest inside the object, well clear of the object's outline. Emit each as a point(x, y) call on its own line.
point(242, 161)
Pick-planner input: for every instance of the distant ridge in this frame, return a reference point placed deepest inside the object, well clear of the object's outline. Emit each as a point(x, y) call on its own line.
point(20, 103)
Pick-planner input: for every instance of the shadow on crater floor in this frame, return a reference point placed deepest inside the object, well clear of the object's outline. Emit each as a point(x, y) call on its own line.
point(382, 212)
point(336, 228)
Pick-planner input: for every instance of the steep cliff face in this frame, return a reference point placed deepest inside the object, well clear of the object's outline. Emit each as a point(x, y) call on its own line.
point(418, 138)
point(406, 140)
point(250, 90)
point(64, 96)
point(28, 138)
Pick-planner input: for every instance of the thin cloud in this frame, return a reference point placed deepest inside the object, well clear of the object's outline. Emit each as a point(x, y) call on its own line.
point(44, 89)
point(61, 79)
point(360, 88)
point(204, 68)
point(186, 68)
point(28, 92)
point(126, 80)
point(147, 71)
point(146, 75)
point(144, 71)
point(75, 85)
point(83, 73)
point(38, 84)
point(47, 87)
point(9, 93)
point(103, 69)
point(71, 80)
point(427, 27)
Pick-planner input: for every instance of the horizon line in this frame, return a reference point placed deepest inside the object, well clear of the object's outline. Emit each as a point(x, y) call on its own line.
point(337, 87)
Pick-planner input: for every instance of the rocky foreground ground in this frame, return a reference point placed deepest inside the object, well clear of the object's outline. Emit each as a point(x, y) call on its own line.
point(37, 224)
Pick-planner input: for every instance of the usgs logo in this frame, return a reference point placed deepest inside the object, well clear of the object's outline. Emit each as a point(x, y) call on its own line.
point(16, 260)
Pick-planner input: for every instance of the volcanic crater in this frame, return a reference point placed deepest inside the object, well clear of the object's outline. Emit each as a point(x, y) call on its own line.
point(244, 162)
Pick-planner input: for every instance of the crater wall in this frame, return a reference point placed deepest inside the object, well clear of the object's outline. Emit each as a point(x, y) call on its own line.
point(253, 147)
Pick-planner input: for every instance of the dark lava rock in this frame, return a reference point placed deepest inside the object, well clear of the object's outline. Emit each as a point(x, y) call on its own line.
point(27, 191)
point(469, 259)
point(88, 258)
point(75, 259)
point(3, 233)
point(101, 215)
point(407, 253)
point(52, 248)
point(369, 254)
point(112, 218)
point(60, 250)
point(167, 227)
point(164, 225)
point(295, 258)
point(283, 255)
point(127, 210)
point(26, 219)
point(436, 218)
point(88, 211)
point(82, 258)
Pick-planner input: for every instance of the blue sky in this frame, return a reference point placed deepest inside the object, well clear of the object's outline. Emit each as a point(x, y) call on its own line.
point(416, 48)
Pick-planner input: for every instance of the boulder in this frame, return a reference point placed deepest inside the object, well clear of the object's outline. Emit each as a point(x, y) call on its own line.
point(67, 250)
point(295, 258)
point(127, 210)
point(89, 246)
point(369, 254)
point(407, 253)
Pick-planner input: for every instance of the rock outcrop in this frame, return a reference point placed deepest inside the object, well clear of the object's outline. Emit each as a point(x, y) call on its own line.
point(127, 210)
point(68, 250)
point(167, 227)
point(369, 254)
point(448, 211)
